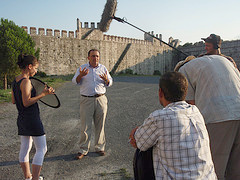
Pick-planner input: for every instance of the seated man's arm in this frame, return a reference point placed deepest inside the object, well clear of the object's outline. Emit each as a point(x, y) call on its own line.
point(146, 135)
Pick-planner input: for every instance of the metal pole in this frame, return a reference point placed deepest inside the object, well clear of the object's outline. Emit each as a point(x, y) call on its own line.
point(123, 21)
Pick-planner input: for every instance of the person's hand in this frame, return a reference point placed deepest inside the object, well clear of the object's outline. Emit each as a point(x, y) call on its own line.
point(83, 72)
point(104, 77)
point(47, 90)
point(132, 140)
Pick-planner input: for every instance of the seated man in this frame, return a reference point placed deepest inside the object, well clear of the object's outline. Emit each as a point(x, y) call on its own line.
point(177, 134)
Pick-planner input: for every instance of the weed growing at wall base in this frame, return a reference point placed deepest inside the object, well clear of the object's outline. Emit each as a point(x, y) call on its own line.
point(53, 81)
point(5, 95)
point(123, 173)
point(157, 72)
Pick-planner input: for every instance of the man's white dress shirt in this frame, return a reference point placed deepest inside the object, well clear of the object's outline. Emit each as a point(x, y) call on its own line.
point(92, 84)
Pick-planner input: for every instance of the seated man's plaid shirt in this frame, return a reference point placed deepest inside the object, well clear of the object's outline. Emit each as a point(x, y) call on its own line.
point(180, 142)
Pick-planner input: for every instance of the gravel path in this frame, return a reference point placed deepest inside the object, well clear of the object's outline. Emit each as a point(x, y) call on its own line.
point(130, 101)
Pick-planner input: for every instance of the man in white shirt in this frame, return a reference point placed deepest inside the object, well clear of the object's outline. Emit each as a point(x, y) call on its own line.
point(93, 78)
point(214, 87)
point(177, 133)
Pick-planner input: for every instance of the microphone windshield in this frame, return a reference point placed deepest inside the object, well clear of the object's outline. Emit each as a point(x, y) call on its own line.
point(107, 15)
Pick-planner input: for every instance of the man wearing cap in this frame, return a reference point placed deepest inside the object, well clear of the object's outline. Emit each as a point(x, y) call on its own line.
point(214, 87)
point(213, 45)
point(93, 78)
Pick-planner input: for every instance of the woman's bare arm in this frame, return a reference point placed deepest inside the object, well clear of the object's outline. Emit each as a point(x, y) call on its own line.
point(26, 88)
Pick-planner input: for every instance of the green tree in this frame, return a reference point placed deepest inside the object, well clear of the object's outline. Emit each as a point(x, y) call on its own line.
point(187, 44)
point(14, 40)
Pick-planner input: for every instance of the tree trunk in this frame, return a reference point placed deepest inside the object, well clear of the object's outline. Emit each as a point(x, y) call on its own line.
point(5, 81)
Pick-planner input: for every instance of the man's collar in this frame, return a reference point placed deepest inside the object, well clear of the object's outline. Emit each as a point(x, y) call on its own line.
point(176, 103)
point(91, 66)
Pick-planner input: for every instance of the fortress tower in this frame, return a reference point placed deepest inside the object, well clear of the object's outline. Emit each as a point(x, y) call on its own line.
point(62, 52)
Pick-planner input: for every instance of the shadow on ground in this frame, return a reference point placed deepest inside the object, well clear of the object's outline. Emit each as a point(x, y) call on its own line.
point(68, 157)
point(137, 79)
point(123, 173)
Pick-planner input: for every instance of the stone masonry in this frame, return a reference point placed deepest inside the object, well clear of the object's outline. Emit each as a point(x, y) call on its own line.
point(229, 48)
point(62, 52)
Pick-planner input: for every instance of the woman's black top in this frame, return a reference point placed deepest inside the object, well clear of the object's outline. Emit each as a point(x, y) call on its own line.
point(28, 121)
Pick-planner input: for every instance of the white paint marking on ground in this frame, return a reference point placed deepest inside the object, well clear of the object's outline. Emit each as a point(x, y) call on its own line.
point(141, 90)
point(122, 88)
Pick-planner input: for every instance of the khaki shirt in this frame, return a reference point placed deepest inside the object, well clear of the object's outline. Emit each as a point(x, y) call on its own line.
point(214, 84)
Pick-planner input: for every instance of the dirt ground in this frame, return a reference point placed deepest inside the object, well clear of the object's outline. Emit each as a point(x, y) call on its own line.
point(130, 101)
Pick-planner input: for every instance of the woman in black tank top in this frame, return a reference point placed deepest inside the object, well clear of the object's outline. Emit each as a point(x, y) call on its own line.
point(30, 127)
point(28, 122)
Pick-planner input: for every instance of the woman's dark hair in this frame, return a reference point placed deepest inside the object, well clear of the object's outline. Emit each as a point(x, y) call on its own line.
point(25, 60)
point(174, 86)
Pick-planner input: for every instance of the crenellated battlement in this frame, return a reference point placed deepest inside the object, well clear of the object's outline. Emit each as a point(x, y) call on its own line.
point(91, 25)
point(90, 31)
point(49, 32)
point(125, 39)
point(61, 51)
point(33, 31)
point(87, 25)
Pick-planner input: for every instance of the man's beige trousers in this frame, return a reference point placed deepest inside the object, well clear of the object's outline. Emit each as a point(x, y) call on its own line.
point(92, 109)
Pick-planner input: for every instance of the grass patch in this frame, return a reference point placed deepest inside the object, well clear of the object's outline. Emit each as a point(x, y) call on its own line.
point(103, 173)
point(123, 173)
point(5, 95)
point(53, 81)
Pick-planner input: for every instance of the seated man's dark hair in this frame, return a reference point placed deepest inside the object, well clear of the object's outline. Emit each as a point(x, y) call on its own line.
point(174, 86)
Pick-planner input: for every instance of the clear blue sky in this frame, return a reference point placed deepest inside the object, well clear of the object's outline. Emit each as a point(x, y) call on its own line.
point(187, 20)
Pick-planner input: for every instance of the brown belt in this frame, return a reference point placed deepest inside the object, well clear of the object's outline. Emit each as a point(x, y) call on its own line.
point(96, 95)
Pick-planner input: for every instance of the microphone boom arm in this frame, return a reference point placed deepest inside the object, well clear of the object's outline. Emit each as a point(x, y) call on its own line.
point(123, 21)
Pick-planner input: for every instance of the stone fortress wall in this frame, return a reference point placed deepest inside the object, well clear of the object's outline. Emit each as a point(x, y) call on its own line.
point(229, 48)
point(62, 52)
